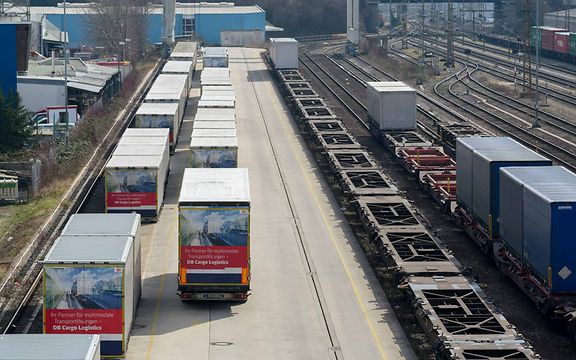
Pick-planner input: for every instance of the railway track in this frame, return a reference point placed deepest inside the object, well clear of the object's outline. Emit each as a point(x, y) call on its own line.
point(21, 292)
point(514, 303)
point(508, 73)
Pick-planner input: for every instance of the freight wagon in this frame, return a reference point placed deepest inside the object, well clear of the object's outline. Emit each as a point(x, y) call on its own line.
point(214, 235)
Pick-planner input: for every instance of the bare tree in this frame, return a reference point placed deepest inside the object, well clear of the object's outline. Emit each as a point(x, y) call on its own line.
point(114, 21)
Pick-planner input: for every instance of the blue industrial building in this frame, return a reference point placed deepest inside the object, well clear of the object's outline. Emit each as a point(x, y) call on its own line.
point(15, 40)
point(204, 20)
point(208, 26)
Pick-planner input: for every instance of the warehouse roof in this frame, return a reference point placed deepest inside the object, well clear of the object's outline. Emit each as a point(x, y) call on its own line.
point(48, 346)
point(89, 248)
point(215, 186)
point(185, 9)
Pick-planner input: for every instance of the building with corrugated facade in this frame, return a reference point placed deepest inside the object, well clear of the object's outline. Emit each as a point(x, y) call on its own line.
point(205, 20)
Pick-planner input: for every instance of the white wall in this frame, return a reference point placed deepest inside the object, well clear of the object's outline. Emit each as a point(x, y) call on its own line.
point(36, 97)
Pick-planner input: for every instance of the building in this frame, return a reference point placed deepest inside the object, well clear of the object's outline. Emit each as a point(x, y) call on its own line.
point(565, 19)
point(89, 85)
point(15, 51)
point(205, 20)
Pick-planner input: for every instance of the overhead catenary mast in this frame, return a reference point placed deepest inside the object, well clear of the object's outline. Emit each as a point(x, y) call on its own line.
point(169, 20)
point(353, 24)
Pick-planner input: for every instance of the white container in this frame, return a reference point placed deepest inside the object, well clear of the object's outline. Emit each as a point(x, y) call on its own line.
point(180, 68)
point(208, 152)
point(111, 225)
point(212, 114)
point(215, 60)
point(136, 184)
point(143, 141)
point(184, 51)
point(215, 72)
point(89, 287)
point(169, 88)
point(214, 125)
point(214, 226)
point(284, 53)
point(230, 104)
point(223, 92)
point(216, 82)
point(49, 347)
point(217, 88)
point(392, 105)
point(214, 133)
point(167, 115)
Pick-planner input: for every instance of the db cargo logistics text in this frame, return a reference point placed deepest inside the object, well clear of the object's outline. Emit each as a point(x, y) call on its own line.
point(214, 245)
point(83, 299)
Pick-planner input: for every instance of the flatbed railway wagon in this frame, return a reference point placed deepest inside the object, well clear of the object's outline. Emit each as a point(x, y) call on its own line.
point(214, 235)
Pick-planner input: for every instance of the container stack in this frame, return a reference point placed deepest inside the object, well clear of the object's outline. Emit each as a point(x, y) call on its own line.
point(538, 208)
point(284, 53)
point(214, 143)
point(391, 106)
point(89, 288)
point(136, 174)
point(479, 160)
point(49, 347)
point(215, 57)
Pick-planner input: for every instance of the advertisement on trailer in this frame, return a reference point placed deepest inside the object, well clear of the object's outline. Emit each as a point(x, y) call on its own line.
point(214, 245)
point(131, 189)
point(213, 158)
point(151, 122)
point(83, 300)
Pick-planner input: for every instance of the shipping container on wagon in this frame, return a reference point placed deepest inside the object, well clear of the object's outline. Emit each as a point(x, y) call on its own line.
point(89, 289)
point(184, 51)
point(226, 92)
point(180, 68)
point(392, 105)
point(572, 44)
point(214, 235)
point(214, 133)
point(210, 152)
point(548, 228)
point(547, 34)
point(136, 184)
point(284, 53)
point(49, 347)
point(218, 88)
point(215, 114)
point(112, 225)
point(512, 182)
point(479, 160)
point(151, 116)
point(561, 42)
point(215, 73)
point(218, 96)
point(214, 125)
point(145, 138)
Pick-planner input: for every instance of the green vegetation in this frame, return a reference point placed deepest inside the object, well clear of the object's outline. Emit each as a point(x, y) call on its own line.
point(15, 129)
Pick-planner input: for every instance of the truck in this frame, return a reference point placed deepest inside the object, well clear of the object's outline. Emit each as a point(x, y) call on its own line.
point(214, 235)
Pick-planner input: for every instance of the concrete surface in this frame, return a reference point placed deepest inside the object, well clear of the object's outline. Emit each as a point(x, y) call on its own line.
point(314, 295)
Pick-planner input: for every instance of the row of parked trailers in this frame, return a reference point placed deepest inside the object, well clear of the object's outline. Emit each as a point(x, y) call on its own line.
point(460, 320)
point(92, 273)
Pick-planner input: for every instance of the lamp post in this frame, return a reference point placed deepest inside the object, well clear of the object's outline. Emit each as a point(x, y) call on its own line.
point(121, 43)
point(66, 116)
point(127, 41)
point(536, 123)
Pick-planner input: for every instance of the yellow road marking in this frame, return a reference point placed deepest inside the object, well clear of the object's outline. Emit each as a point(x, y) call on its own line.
point(373, 332)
